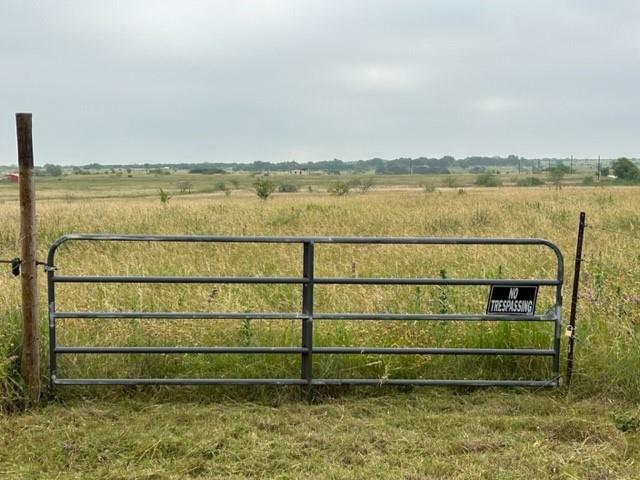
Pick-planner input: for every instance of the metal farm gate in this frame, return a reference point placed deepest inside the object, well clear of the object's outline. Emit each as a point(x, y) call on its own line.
point(307, 315)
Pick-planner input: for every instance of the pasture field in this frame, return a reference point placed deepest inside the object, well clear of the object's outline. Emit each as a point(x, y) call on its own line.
point(138, 185)
point(589, 431)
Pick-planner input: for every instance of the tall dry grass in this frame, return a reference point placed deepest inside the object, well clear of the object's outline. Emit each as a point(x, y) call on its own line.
point(608, 348)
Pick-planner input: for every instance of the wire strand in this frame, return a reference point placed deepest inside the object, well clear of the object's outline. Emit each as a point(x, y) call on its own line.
point(614, 231)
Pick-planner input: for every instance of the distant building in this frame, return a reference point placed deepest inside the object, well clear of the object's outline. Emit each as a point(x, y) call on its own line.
point(13, 177)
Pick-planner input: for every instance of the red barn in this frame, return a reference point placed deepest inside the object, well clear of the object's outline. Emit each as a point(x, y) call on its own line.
point(13, 177)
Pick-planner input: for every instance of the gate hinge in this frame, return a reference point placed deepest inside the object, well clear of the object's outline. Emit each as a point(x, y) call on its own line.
point(46, 267)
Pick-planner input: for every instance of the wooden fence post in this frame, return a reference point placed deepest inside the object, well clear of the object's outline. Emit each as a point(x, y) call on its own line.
point(30, 351)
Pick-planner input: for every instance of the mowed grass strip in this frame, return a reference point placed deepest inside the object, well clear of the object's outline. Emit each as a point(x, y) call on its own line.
point(420, 435)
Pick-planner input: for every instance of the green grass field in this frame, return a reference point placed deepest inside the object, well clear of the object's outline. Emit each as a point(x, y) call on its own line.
point(591, 431)
point(417, 435)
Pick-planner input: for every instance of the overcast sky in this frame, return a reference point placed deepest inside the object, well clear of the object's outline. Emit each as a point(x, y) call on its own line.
point(239, 81)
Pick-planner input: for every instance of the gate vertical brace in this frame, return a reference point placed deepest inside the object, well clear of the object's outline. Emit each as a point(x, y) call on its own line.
point(51, 303)
point(557, 335)
point(307, 322)
point(574, 298)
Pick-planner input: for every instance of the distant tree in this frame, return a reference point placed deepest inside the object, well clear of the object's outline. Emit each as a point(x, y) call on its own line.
point(604, 171)
point(207, 170)
point(487, 180)
point(185, 187)
point(164, 197)
point(264, 187)
point(561, 167)
point(221, 186)
point(339, 188)
point(625, 169)
point(587, 180)
point(235, 182)
point(286, 187)
point(529, 182)
point(450, 182)
point(365, 184)
point(556, 174)
point(52, 170)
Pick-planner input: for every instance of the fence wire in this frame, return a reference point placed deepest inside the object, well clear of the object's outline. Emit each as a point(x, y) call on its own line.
point(633, 236)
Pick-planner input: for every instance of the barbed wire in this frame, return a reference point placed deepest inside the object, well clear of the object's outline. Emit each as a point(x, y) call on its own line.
point(614, 231)
point(572, 229)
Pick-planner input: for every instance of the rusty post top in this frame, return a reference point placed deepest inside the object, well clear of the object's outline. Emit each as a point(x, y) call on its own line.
point(25, 143)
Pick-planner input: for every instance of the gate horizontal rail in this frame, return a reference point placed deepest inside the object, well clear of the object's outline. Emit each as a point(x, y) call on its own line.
point(332, 350)
point(306, 315)
point(297, 381)
point(299, 316)
point(301, 281)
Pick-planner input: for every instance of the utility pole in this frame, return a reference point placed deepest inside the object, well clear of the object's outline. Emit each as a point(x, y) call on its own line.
point(30, 361)
point(571, 167)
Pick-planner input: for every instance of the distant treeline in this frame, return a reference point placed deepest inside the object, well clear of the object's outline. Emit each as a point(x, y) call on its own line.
point(378, 165)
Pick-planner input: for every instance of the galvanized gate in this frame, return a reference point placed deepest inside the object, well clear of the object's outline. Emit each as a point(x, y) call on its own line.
point(307, 316)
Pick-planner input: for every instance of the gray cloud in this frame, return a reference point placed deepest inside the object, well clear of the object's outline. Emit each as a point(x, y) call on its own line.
point(159, 81)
